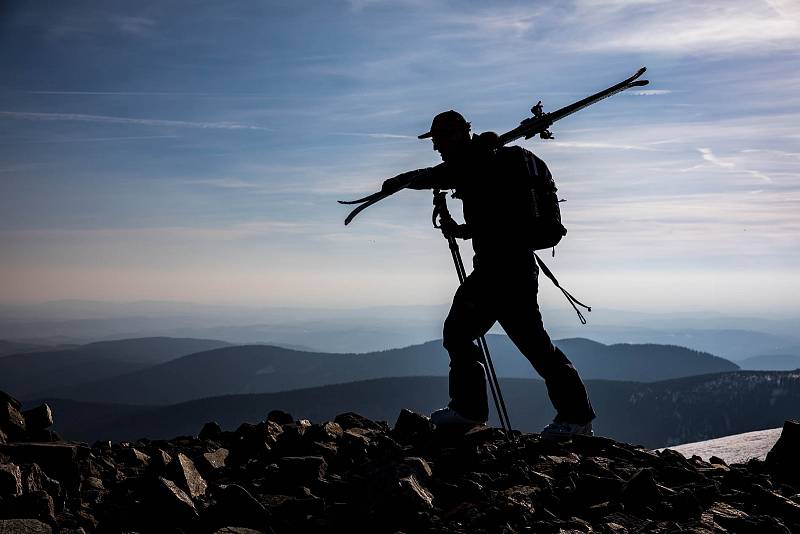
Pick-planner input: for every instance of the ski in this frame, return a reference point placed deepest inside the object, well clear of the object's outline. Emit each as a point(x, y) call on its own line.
point(536, 125)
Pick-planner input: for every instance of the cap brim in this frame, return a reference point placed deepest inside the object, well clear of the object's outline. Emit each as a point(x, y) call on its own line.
point(425, 135)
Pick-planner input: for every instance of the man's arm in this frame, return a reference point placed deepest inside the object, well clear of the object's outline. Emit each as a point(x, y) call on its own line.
point(437, 177)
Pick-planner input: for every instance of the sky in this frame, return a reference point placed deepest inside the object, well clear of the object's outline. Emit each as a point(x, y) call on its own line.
point(195, 150)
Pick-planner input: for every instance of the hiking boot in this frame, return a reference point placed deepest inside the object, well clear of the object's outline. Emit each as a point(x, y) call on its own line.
point(566, 430)
point(450, 417)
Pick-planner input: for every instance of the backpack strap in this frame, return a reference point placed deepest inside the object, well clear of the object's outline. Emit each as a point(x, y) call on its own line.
point(572, 300)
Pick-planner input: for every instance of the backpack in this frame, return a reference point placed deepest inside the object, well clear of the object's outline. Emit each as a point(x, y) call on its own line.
point(540, 211)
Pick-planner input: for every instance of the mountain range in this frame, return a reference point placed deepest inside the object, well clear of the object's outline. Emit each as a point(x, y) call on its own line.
point(262, 369)
point(656, 414)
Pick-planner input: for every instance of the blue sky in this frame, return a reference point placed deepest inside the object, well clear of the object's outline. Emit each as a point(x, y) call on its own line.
point(195, 150)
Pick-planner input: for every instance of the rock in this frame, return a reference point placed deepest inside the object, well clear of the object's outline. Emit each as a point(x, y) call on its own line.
point(211, 461)
point(351, 420)
point(238, 530)
point(58, 460)
point(282, 418)
point(11, 420)
point(34, 505)
point(10, 480)
point(641, 490)
point(412, 427)
point(38, 418)
point(236, 507)
point(412, 496)
point(5, 397)
point(34, 479)
point(171, 501)
point(328, 431)
point(3, 437)
point(134, 457)
point(302, 469)
point(416, 466)
point(210, 431)
point(24, 526)
point(160, 459)
point(187, 476)
point(44, 435)
point(292, 432)
point(784, 457)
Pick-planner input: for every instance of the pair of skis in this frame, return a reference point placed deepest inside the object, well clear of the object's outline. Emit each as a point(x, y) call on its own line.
point(530, 127)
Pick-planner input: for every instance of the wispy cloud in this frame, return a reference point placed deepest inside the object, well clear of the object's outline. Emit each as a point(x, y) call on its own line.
point(651, 92)
point(89, 139)
point(378, 135)
point(105, 119)
point(680, 27)
point(709, 156)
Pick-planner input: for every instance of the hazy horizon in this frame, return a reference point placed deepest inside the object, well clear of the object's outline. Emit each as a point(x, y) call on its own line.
point(194, 152)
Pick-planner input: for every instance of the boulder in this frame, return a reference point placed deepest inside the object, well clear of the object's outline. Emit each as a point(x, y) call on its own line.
point(134, 457)
point(38, 418)
point(34, 479)
point(10, 480)
point(328, 431)
point(34, 505)
point(236, 507)
point(160, 459)
point(641, 490)
point(172, 503)
point(210, 431)
point(211, 461)
point(784, 457)
point(58, 460)
point(187, 476)
point(411, 496)
point(12, 422)
point(302, 469)
point(412, 427)
point(24, 526)
point(353, 420)
point(280, 417)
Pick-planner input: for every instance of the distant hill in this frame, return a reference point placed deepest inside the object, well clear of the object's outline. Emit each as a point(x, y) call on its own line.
point(13, 347)
point(772, 362)
point(30, 373)
point(655, 415)
point(263, 369)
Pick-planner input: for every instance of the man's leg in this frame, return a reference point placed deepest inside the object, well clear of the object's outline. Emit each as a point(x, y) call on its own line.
point(520, 318)
point(467, 321)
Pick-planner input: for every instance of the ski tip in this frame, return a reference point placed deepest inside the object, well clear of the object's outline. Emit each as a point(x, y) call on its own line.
point(641, 71)
point(639, 83)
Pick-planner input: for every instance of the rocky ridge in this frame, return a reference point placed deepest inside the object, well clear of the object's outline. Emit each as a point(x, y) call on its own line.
point(357, 475)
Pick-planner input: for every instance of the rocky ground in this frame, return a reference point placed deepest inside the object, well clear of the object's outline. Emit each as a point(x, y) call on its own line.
point(357, 475)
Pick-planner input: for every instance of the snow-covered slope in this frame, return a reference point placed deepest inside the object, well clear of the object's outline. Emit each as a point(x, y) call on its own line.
point(733, 449)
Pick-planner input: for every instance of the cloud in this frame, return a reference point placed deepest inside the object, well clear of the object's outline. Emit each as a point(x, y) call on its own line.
point(378, 135)
point(746, 26)
point(105, 119)
point(710, 157)
point(651, 92)
point(598, 145)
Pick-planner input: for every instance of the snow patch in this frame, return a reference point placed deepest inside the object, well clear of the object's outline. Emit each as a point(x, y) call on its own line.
point(733, 449)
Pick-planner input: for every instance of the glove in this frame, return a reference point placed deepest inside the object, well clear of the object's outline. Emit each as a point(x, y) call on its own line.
point(391, 185)
point(450, 228)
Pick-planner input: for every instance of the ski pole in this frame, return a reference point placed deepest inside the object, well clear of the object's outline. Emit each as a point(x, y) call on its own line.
point(441, 211)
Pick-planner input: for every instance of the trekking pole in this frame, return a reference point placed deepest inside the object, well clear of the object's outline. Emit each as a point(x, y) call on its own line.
point(440, 211)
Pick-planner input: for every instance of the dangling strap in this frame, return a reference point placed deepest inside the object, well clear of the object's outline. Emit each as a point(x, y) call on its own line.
point(572, 300)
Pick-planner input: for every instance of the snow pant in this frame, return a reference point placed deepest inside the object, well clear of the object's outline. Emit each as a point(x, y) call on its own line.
point(487, 296)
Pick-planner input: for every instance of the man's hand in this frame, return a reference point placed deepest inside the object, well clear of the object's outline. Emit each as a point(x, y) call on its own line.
point(393, 185)
point(451, 228)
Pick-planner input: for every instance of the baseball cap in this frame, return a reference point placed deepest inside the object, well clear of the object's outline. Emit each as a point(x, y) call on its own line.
point(446, 121)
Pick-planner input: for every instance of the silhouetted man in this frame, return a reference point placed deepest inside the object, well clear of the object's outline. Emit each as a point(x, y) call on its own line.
point(503, 284)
